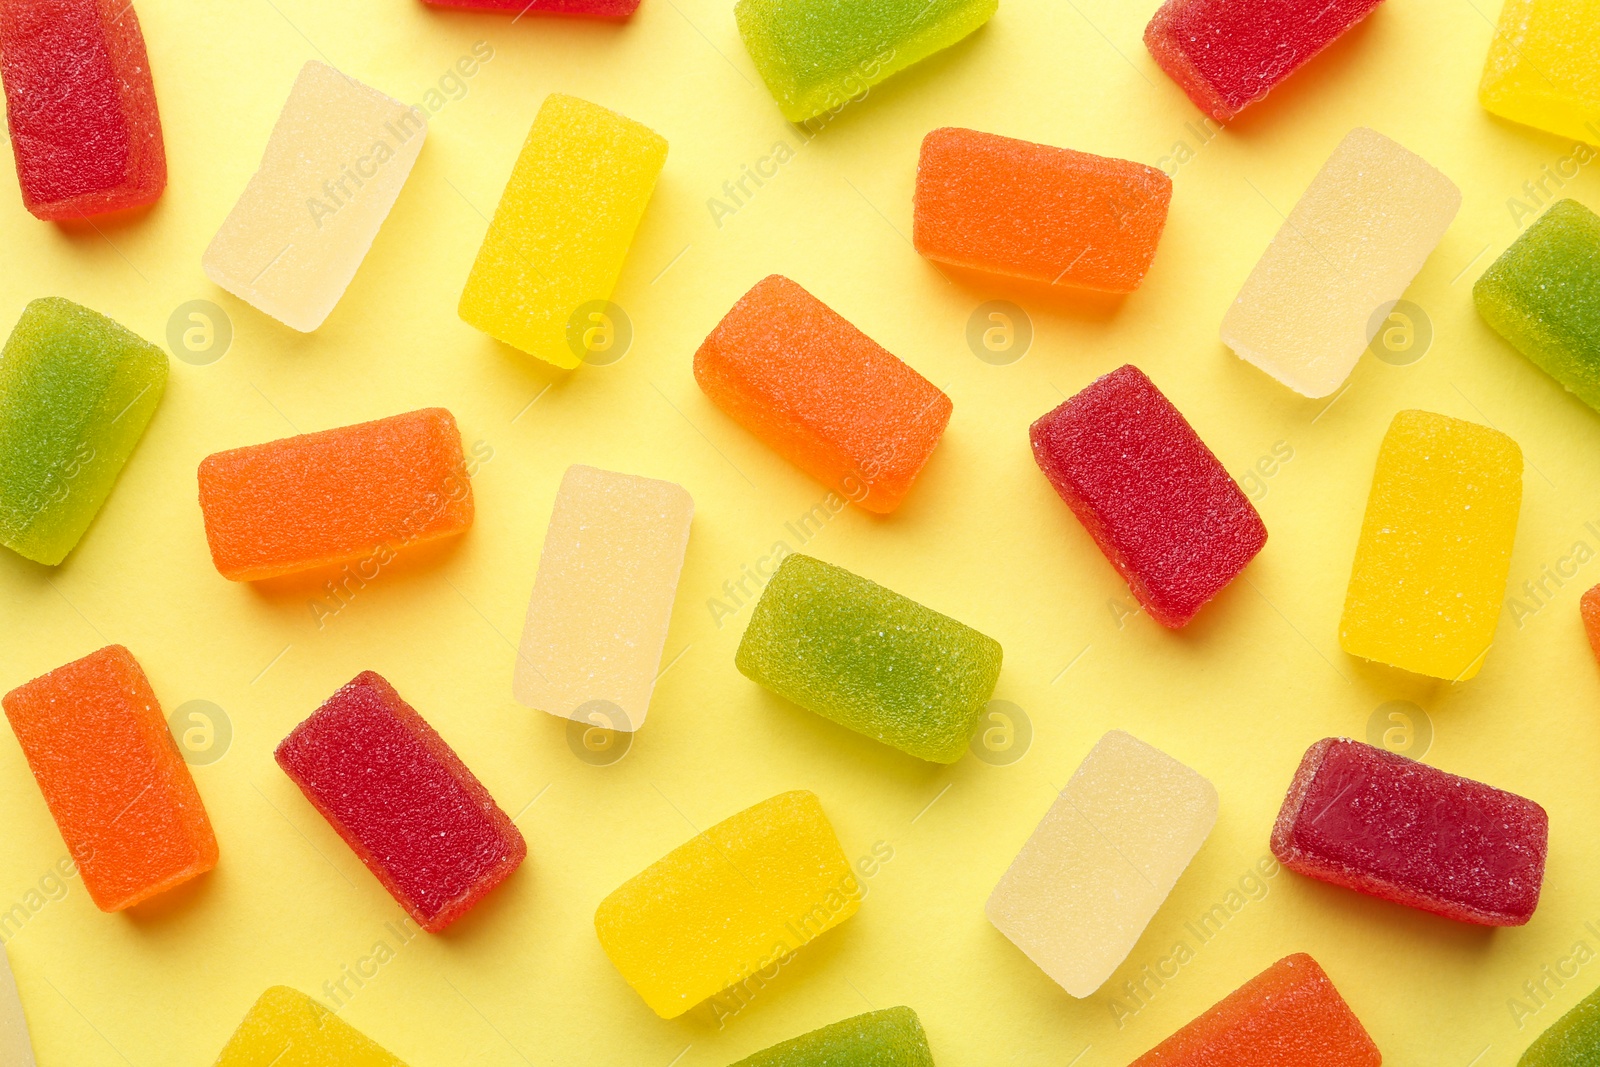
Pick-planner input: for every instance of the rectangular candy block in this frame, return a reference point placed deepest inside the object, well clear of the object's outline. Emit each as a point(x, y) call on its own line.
point(602, 600)
point(1543, 295)
point(76, 393)
point(991, 203)
point(1541, 71)
point(1149, 492)
point(16, 1047)
point(286, 1028)
point(1228, 54)
point(81, 107)
point(1340, 261)
point(402, 800)
point(1289, 1015)
point(320, 499)
point(543, 278)
point(892, 1037)
point(1385, 825)
point(822, 394)
point(869, 659)
point(1102, 861)
point(121, 795)
point(1571, 1041)
point(735, 900)
point(605, 9)
point(332, 169)
point(1430, 570)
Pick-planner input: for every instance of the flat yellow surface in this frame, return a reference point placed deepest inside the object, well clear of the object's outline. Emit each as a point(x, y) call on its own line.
point(1238, 695)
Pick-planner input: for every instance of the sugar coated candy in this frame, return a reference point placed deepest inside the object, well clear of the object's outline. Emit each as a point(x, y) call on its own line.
point(606, 9)
point(1571, 1041)
point(996, 204)
point(1589, 609)
point(543, 278)
point(1103, 860)
point(402, 800)
point(81, 107)
point(1340, 262)
point(817, 56)
point(1543, 295)
point(76, 393)
point(357, 493)
point(333, 167)
point(1289, 1015)
point(738, 899)
point(1541, 70)
point(1150, 492)
point(1379, 823)
point(870, 659)
point(121, 795)
point(822, 394)
point(597, 620)
point(16, 1047)
point(1228, 54)
point(286, 1028)
point(892, 1037)
point(1429, 576)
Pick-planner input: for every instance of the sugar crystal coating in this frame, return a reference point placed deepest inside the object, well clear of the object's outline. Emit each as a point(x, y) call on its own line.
point(1150, 493)
point(286, 1028)
point(602, 600)
point(817, 56)
point(16, 1047)
point(76, 393)
point(822, 394)
point(870, 659)
point(892, 1037)
point(81, 107)
point(1339, 262)
point(1379, 823)
point(737, 899)
point(1571, 1041)
point(997, 204)
point(609, 9)
point(333, 166)
point(1429, 576)
point(1228, 54)
point(1589, 611)
point(1289, 1015)
point(124, 801)
point(543, 278)
point(1541, 70)
point(403, 801)
point(1543, 295)
point(354, 493)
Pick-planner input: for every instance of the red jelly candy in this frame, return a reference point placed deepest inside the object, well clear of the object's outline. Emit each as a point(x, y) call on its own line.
point(403, 800)
point(1227, 54)
point(1150, 492)
point(1379, 823)
point(81, 107)
point(1589, 609)
point(603, 9)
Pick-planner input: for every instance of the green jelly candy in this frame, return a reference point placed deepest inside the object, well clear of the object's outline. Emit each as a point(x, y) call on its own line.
point(889, 1038)
point(1543, 295)
point(818, 55)
point(76, 392)
point(1572, 1040)
point(870, 659)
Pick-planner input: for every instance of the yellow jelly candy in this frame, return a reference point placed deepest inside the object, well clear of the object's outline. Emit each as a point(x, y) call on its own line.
point(739, 899)
point(1430, 569)
point(543, 278)
point(1542, 69)
point(286, 1028)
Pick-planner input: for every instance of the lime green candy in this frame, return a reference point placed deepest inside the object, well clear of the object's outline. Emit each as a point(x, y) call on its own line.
point(818, 55)
point(1543, 295)
point(1572, 1040)
point(852, 651)
point(889, 1038)
point(76, 392)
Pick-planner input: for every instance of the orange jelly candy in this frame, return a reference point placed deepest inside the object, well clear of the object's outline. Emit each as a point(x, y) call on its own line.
point(996, 204)
point(320, 499)
point(120, 793)
point(822, 394)
point(1289, 1015)
point(1589, 608)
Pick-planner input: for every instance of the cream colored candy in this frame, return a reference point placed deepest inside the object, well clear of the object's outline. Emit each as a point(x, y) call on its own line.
point(16, 1050)
point(1346, 253)
point(597, 621)
point(1098, 867)
point(332, 169)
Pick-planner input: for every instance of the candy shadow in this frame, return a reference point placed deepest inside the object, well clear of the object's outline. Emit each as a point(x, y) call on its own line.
point(164, 909)
point(745, 1001)
point(1285, 102)
point(487, 921)
point(349, 580)
point(794, 729)
point(1386, 922)
point(1085, 305)
point(90, 228)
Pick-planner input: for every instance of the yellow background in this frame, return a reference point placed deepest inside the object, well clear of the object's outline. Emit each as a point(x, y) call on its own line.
point(1238, 695)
